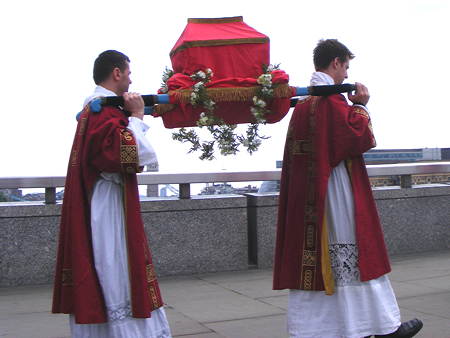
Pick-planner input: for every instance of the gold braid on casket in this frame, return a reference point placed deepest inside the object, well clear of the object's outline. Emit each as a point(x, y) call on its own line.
point(231, 94)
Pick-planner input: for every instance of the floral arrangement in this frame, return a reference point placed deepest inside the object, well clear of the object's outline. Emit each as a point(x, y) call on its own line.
point(223, 134)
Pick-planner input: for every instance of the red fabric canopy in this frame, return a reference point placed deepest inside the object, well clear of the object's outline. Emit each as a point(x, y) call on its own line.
point(236, 53)
point(228, 46)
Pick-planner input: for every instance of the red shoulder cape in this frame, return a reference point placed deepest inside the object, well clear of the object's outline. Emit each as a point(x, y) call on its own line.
point(324, 131)
point(102, 143)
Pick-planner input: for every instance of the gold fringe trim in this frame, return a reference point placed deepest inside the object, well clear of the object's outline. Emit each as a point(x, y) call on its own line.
point(232, 94)
point(226, 42)
point(161, 109)
point(216, 20)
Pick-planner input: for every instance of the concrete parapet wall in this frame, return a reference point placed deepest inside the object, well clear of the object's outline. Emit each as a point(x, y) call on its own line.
point(197, 235)
point(186, 237)
point(214, 233)
point(414, 220)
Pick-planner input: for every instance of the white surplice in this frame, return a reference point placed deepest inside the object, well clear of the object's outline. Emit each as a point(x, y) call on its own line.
point(356, 309)
point(110, 252)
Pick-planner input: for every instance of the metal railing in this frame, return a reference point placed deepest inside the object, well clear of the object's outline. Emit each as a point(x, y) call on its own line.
point(184, 180)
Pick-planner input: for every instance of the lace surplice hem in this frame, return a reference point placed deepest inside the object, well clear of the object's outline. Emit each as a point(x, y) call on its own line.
point(120, 312)
point(344, 263)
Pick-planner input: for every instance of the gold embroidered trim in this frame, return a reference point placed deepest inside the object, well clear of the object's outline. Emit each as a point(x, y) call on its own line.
point(216, 20)
point(309, 258)
point(74, 157)
point(301, 147)
point(309, 254)
point(82, 128)
point(127, 135)
point(362, 112)
point(311, 235)
point(308, 279)
point(128, 154)
point(153, 297)
point(209, 43)
point(151, 275)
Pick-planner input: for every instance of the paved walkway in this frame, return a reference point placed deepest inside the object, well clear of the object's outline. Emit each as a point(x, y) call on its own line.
point(241, 304)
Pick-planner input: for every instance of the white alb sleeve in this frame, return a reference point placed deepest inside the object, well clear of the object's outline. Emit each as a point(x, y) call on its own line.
point(146, 154)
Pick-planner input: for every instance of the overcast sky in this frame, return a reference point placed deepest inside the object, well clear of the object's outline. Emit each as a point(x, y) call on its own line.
point(48, 49)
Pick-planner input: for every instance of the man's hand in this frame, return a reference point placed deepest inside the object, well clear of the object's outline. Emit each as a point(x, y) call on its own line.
point(361, 95)
point(134, 104)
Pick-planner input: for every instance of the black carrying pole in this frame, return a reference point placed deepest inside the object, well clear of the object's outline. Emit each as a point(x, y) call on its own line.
point(324, 90)
point(151, 100)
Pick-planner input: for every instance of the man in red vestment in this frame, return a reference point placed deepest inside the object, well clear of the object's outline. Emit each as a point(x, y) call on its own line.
point(330, 249)
point(104, 273)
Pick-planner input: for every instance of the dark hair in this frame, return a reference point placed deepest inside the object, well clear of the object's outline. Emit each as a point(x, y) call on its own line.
point(106, 62)
point(327, 50)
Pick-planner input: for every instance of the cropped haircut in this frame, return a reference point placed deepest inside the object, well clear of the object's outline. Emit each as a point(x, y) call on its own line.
point(106, 62)
point(327, 50)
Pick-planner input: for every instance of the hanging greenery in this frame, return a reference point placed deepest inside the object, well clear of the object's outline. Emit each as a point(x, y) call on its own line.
point(223, 134)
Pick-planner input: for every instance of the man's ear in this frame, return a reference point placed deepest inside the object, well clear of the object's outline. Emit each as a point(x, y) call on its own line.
point(116, 73)
point(335, 63)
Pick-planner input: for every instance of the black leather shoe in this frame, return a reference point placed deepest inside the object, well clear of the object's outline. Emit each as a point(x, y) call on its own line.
point(406, 330)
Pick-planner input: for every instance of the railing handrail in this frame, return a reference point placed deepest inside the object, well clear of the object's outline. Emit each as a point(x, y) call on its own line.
point(147, 178)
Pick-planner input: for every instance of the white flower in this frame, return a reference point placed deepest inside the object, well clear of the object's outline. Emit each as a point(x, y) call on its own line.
point(201, 74)
point(267, 91)
point(265, 80)
point(261, 103)
point(270, 68)
point(258, 102)
point(194, 97)
point(209, 104)
point(203, 120)
point(198, 85)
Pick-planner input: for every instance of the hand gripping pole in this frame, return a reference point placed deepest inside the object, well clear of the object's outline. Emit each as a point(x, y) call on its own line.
point(151, 100)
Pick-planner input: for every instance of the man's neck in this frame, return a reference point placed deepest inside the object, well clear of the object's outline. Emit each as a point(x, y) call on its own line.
point(110, 87)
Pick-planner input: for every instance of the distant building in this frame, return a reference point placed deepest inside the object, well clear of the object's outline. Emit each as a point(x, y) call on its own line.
point(226, 188)
point(10, 195)
point(385, 156)
point(391, 156)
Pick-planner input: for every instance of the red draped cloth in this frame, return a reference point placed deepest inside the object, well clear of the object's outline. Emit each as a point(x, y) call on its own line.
point(102, 143)
point(228, 46)
point(323, 132)
point(236, 54)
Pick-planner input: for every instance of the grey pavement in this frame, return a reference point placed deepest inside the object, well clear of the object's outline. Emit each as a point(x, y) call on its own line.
point(241, 304)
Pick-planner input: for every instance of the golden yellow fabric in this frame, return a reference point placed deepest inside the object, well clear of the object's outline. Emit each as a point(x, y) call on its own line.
point(327, 274)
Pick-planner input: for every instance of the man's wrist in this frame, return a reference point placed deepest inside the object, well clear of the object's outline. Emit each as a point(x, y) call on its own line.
point(139, 114)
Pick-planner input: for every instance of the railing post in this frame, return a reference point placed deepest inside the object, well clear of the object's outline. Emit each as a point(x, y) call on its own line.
point(50, 195)
point(184, 191)
point(405, 181)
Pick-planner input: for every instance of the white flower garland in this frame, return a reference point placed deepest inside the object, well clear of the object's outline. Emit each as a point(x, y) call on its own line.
point(227, 141)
